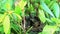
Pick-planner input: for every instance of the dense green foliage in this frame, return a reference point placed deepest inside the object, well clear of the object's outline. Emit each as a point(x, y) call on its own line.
point(15, 16)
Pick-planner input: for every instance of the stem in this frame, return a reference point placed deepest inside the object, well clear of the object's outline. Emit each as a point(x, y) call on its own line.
point(24, 26)
point(24, 22)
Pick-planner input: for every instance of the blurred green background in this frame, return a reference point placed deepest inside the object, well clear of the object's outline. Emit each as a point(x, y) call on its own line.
point(29, 16)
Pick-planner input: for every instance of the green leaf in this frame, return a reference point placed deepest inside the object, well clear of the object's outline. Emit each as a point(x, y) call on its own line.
point(22, 4)
point(2, 8)
point(6, 25)
point(51, 3)
point(31, 8)
point(48, 29)
point(1, 30)
point(18, 10)
point(56, 20)
point(15, 27)
point(47, 1)
point(47, 15)
point(48, 20)
point(55, 8)
point(27, 33)
point(8, 4)
point(45, 8)
point(42, 16)
point(1, 15)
